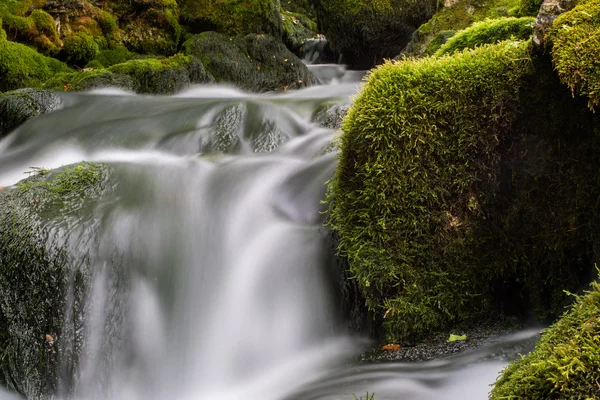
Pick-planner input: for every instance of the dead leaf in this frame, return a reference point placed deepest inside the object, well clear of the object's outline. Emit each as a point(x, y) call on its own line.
point(391, 347)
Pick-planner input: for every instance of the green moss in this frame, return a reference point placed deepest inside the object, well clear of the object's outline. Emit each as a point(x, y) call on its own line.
point(366, 32)
point(68, 182)
point(108, 24)
point(530, 7)
point(575, 38)
point(457, 17)
point(233, 17)
point(149, 75)
point(466, 186)
point(37, 30)
point(565, 362)
point(488, 32)
point(254, 62)
point(437, 42)
point(149, 27)
point(21, 66)
point(79, 49)
point(116, 55)
point(89, 80)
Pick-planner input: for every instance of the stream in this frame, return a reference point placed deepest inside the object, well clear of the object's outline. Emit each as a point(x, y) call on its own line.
point(224, 287)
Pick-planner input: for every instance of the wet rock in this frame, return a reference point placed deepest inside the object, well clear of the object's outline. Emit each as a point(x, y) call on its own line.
point(331, 116)
point(18, 106)
point(40, 280)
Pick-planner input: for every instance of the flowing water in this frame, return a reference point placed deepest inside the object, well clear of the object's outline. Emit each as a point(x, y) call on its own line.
point(211, 274)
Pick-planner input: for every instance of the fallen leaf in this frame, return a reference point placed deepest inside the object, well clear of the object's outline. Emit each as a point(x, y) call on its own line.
point(258, 68)
point(456, 338)
point(391, 347)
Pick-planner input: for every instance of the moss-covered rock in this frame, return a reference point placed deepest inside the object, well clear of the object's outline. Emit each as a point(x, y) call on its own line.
point(575, 40)
point(296, 29)
point(149, 26)
point(79, 49)
point(21, 66)
point(455, 16)
point(488, 32)
point(366, 32)
point(565, 363)
point(38, 30)
point(233, 17)
point(116, 55)
point(150, 75)
point(18, 106)
point(465, 188)
point(530, 7)
point(36, 272)
point(258, 63)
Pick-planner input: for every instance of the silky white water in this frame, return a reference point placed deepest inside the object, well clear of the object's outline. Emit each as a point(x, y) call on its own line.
point(211, 273)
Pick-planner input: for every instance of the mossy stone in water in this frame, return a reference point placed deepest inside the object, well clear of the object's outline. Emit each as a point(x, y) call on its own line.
point(35, 273)
point(18, 106)
point(565, 363)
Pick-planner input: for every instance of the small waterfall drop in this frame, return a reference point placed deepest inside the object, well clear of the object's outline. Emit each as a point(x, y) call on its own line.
point(208, 264)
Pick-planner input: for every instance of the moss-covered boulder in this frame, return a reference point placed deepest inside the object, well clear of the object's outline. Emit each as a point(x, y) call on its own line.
point(79, 49)
point(233, 17)
point(457, 15)
point(575, 42)
point(116, 55)
point(145, 76)
point(488, 32)
point(297, 28)
point(366, 32)
point(257, 63)
point(565, 363)
point(21, 66)
point(149, 26)
point(36, 273)
point(18, 106)
point(466, 188)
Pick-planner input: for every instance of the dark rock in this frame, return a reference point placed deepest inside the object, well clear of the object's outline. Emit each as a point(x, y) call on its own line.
point(365, 33)
point(18, 106)
point(258, 63)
